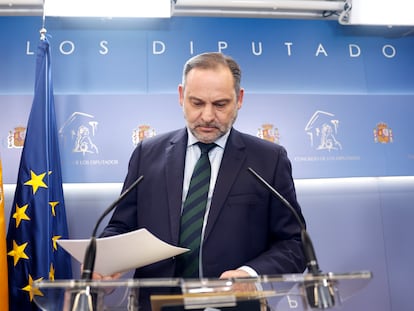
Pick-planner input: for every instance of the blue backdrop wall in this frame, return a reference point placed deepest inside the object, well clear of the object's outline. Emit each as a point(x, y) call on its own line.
point(340, 99)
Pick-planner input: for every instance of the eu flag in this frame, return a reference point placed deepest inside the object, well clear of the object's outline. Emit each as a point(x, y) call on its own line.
point(38, 216)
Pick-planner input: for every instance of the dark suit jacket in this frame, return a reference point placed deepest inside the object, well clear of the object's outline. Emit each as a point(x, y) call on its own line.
point(247, 225)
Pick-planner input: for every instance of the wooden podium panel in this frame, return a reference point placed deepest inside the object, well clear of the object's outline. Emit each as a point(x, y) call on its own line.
point(232, 301)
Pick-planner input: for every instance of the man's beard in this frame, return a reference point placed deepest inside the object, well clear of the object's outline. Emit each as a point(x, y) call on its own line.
point(206, 138)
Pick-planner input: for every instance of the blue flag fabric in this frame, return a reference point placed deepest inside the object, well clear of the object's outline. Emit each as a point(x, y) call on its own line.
point(38, 215)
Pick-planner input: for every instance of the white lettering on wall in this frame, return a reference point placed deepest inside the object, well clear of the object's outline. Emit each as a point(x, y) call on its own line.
point(104, 45)
point(388, 51)
point(158, 47)
point(28, 52)
point(255, 51)
point(320, 50)
point(354, 50)
point(289, 45)
point(66, 47)
point(222, 45)
point(191, 47)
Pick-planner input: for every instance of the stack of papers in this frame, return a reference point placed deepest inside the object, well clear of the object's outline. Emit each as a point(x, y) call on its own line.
point(123, 252)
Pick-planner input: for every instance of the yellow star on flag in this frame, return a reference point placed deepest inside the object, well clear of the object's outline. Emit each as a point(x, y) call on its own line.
point(18, 252)
point(52, 272)
point(20, 214)
point(53, 205)
point(36, 181)
point(33, 291)
point(54, 239)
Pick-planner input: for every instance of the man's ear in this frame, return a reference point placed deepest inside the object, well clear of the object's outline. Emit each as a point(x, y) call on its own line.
point(181, 94)
point(240, 101)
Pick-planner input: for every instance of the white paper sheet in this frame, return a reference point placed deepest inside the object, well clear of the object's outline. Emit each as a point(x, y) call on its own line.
point(123, 252)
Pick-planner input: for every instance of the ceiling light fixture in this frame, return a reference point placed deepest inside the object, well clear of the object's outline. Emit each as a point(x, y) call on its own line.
point(99, 8)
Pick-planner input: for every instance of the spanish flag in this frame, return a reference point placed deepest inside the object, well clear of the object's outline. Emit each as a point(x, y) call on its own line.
point(4, 292)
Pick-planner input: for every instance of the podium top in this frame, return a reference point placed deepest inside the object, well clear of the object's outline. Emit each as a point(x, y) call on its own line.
point(343, 284)
point(330, 287)
point(360, 277)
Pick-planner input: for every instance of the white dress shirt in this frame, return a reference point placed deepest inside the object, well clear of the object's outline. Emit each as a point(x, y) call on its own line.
point(215, 155)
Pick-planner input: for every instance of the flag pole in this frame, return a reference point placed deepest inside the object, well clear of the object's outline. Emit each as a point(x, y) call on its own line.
point(43, 31)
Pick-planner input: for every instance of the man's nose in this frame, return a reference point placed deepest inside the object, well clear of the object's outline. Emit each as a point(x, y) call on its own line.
point(208, 113)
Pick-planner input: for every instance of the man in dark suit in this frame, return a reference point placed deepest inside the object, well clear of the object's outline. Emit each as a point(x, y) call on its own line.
point(246, 231)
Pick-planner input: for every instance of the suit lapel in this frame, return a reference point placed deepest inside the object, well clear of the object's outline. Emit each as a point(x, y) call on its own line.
point(175, 159)
point(231, 164)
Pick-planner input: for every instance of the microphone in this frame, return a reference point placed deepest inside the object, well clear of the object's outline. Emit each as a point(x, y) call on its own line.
point(320, 292)
point(90, 253)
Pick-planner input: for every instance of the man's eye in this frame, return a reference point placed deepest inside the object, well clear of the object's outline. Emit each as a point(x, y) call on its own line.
point(220, 104)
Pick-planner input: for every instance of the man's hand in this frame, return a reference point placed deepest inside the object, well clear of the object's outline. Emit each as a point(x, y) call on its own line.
point(99, 277)
point(239, 286)
point(234, 274)
point(248, 288)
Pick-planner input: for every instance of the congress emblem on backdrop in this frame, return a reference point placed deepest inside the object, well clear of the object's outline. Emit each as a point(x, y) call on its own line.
point(142, 132)
point(267, 132)
point(16, 137)
point(322, 129)
point(79, 131)
point(383, 134)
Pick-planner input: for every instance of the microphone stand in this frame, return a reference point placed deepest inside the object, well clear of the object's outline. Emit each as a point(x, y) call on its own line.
point(90, 253)
point(83, 299)
point(320, 293)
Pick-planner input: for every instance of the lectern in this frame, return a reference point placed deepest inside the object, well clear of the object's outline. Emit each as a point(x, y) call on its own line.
point(270, 292)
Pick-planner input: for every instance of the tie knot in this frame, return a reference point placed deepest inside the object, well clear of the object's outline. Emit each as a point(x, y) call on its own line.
point(205, 148)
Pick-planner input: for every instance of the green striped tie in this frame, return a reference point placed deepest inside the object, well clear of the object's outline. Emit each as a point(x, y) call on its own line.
point(193, 214)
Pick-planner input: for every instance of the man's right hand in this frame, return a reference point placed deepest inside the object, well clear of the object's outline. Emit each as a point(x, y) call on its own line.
point(99, 277)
